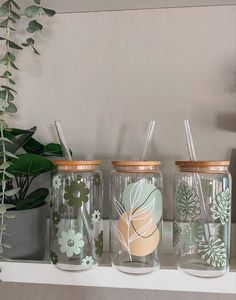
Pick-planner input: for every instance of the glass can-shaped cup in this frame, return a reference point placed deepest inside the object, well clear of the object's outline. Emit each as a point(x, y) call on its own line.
point(202, 211)
point(136, 215)
point(76, 236)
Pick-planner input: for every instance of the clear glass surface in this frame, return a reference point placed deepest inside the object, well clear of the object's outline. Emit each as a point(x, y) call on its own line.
point(136, 218)
point(76, 236)
point(202, 243)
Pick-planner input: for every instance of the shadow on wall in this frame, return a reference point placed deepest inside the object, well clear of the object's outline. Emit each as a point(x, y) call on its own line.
point(227, 121)
point(232, 170)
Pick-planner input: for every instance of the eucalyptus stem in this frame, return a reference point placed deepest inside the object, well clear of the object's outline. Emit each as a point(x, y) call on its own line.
point(3, 144)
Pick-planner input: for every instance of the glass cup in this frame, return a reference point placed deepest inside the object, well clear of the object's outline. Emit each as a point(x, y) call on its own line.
point(202, 212)
point(76, 236)
point(136, 215)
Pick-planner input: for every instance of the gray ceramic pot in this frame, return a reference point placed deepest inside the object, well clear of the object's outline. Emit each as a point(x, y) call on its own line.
point(28, 233)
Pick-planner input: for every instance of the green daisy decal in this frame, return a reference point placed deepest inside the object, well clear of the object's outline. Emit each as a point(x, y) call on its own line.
point(54, 258)
point(97, 180)
point(99, 244)
point(76, 193)
point(56, 218)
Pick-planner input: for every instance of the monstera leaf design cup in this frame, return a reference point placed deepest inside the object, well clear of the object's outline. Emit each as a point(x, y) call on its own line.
point(202, 246)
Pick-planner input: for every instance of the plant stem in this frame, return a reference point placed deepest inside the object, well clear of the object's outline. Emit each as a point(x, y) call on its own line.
point(2, 137)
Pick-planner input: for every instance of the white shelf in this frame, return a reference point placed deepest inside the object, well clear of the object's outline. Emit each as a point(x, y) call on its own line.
point(166, 278)
point(106, 5)
point(105, 276)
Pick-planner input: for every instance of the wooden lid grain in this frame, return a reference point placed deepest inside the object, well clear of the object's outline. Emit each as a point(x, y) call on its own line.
point(203, 163)
point(76, 162)
point(135, 163)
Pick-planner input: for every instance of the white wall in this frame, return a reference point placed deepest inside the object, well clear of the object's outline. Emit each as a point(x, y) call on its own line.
point(105, 74)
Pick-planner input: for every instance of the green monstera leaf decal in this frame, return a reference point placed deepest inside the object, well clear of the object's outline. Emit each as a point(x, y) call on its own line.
point(176, 233)
point(193, 232)
point(187, 201)
point(76, 193)
point(99, 244)
point(220, 207)
point(213, 252)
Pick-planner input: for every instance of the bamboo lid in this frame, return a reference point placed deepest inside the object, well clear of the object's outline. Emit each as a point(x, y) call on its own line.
point(77, 165)
point(76, 162)
point(135, 163)
point(203, 163)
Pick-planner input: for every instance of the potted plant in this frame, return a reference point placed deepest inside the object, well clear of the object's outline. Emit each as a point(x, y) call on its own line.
point(27, 206)
point(17, 170)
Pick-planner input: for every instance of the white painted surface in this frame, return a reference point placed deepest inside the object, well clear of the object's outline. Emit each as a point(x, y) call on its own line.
point(167, 278)
point(105, 74)
point(101, 5)
point(163, 279)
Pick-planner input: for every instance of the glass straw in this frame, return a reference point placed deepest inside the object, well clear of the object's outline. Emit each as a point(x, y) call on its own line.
point(67, 155)
point(196, 176)
point(149, 134)
point(61, 136)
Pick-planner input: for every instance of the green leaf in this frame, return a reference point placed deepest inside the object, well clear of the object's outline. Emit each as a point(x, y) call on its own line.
point(11, 108)
point(33, 200)
point(30, 41)
point(13, 66)
point(6, 245)
point(10, 56)
point(213, 252)
point(187, 201)
point(11, 146)
point(31, 29)
point(30, 165)
point(2, 38)
point(6, 95)
point(37, 2)
point(7, 4)
point(4, 61)
point(24, 44)
point(11, 81)
point(220, 207)
point(3, 11)
point(3, 227)
point(34, 26)
point(4, 139)
point(32, 11)
point(49, 12)
point(18, 131)
point(99, 244)
point(12, 192)
point(9, 175)
point(33, 146)
point(52, 150)
point(7, 73)
point(9, 154)
point(15, 4)
point(176, 233)
point(13, 45)
point(4, 165)
point(35, 50)
point(8, 88)
point(23, 137)
point(15, 15)
point(5, 22)
point(12, 20)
